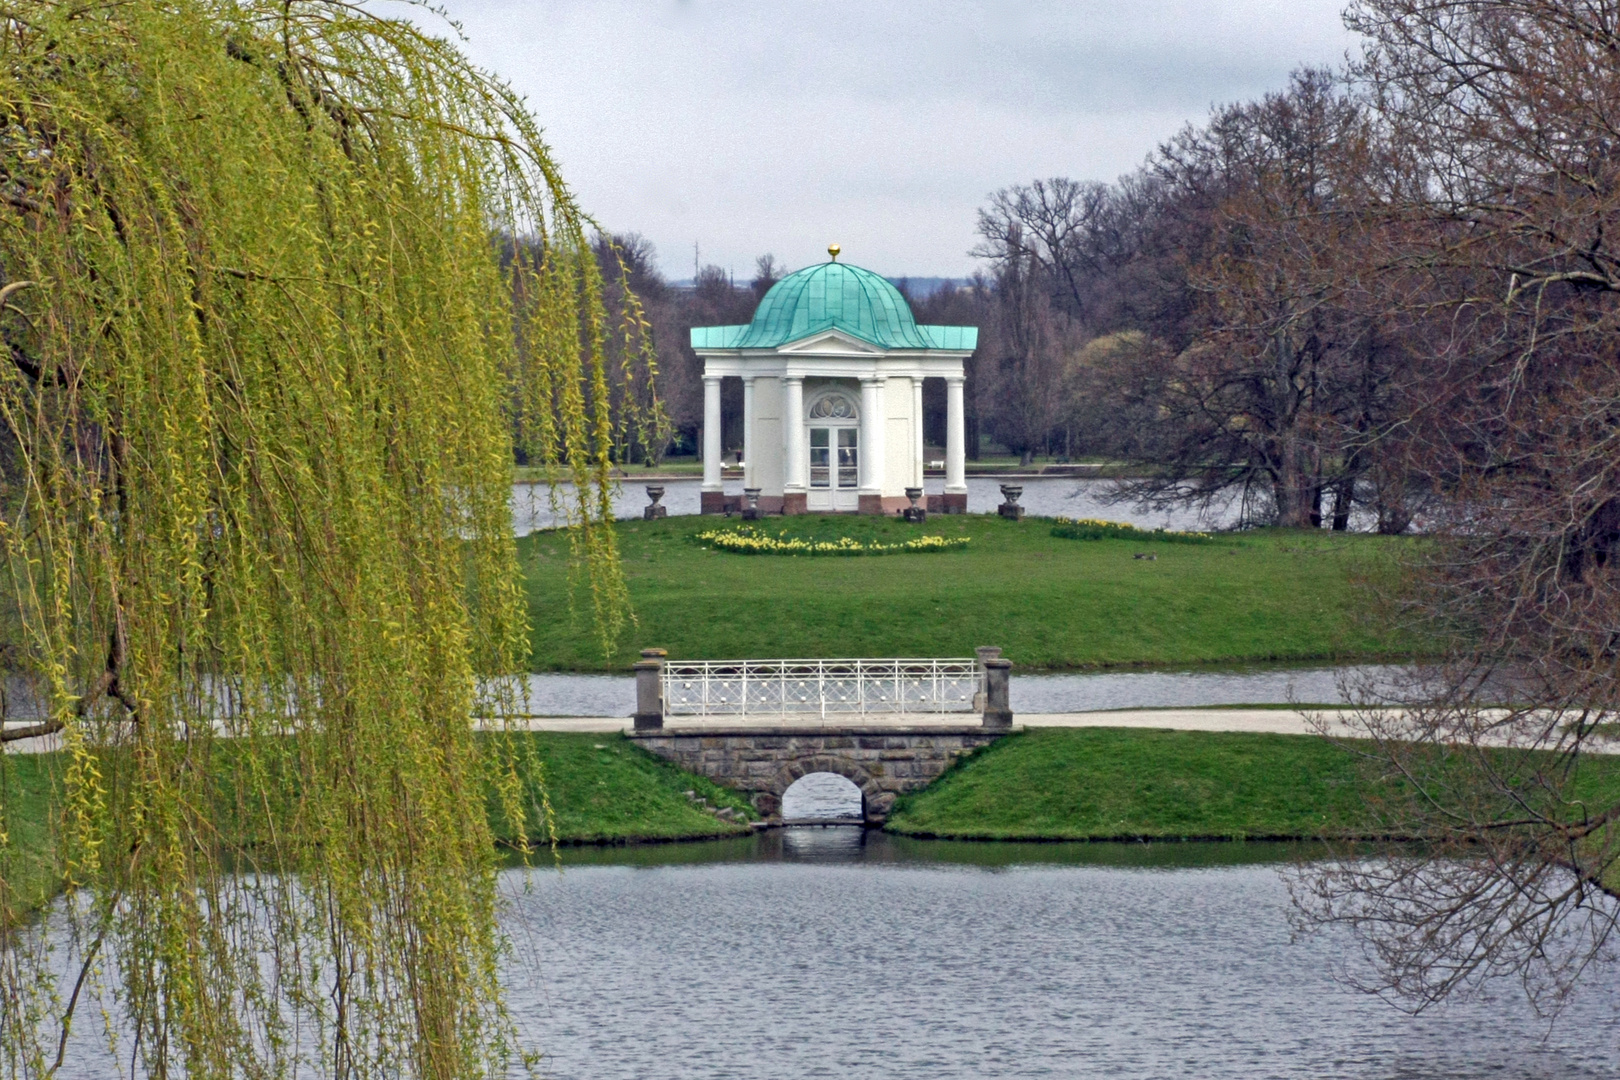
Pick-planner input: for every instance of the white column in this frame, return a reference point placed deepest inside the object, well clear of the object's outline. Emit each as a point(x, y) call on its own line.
point(748, 432)
point(873, 421)
point(955, 438)
point(795, 460)
point(711, 433)
point(916, 431)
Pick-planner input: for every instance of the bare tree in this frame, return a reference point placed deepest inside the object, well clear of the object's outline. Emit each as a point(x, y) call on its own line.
point(1059, 251)
point(1507, 113)
point(1025, 352)
point(1069, 234)
point(970, 305)
point(1248, 342)
point(670, 313)
point(635, 292)
point(767, 272)
point(1269, 379)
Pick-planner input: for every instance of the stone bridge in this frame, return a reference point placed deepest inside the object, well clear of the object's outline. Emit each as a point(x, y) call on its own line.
point(883, 761)
point(883, 754)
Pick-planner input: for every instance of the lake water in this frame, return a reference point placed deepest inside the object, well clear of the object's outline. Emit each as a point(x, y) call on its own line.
point(615, 695)
point(844, 953)
point(840, 952)
point(1046, 497)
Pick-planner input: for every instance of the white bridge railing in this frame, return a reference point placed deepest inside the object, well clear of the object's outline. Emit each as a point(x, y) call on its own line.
point(820, 687)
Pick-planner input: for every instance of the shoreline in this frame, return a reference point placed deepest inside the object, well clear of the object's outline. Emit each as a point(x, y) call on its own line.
point(1138, 776)
point(1269, 661)
point(1007, 472)
point(759, 827)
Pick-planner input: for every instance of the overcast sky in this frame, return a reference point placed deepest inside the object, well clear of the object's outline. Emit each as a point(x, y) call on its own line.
point(882, 125)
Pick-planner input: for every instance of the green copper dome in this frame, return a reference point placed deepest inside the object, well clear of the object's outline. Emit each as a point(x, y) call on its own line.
point(828, 296)
point(833, 296)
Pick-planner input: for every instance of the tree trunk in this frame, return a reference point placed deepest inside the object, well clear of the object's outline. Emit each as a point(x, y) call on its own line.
point(1389, 501)
point(1291, 494)
point(1343, 500)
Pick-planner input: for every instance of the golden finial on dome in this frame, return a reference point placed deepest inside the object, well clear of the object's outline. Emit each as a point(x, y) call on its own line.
point(833, 250)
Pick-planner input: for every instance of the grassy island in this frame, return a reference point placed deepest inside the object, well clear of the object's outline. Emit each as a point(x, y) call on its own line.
point(1049, 601)
point(1119, 784)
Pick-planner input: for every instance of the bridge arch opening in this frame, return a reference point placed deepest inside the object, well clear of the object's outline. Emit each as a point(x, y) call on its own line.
point(824, 797)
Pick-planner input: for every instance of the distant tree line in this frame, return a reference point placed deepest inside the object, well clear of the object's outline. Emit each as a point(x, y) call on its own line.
point(1229, 313)
point(1215, 315)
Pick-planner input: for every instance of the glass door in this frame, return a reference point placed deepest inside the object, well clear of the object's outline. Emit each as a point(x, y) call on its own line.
point(834, 468)
point(848, 458)
point(820, 457)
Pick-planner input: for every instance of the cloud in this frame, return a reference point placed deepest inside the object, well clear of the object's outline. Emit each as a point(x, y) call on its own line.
point(753, 127)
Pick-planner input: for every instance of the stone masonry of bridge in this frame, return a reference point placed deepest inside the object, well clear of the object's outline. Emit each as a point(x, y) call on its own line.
point(763, 762)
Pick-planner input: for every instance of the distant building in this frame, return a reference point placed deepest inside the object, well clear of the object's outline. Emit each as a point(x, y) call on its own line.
point(832, 370)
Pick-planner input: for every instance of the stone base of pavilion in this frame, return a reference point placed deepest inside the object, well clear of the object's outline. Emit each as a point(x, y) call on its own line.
point(718, 502)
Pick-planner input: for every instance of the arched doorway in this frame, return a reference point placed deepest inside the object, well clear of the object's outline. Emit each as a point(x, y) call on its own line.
point(833, 424)
point(823, 797)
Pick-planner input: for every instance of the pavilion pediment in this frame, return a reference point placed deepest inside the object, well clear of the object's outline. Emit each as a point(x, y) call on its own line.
point(830, 343)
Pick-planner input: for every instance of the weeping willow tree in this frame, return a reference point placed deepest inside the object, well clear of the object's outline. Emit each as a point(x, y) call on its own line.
point(273, 277)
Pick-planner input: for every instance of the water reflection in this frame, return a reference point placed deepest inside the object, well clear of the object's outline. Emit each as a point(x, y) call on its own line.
point(822, 843)
point(856, 844)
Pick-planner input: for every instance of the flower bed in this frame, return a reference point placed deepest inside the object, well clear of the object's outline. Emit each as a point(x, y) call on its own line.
point(752, 541)
point(1094, 529)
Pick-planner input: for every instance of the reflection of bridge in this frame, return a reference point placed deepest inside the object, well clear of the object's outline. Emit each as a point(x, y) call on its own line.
point(889, 726)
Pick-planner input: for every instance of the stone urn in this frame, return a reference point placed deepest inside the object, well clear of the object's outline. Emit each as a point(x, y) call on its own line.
point(915, 512)
point(1010, 508)
point(751, 510)
point(654, 509)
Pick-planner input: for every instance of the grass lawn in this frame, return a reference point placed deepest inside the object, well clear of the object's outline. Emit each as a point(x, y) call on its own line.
point(1048, 602)
point(1114, 783)
point(29, 869)
point(605, 788)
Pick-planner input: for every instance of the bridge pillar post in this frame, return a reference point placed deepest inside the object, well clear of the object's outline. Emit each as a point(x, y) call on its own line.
point(997, 708)
point(983, 652)
point(649, 714)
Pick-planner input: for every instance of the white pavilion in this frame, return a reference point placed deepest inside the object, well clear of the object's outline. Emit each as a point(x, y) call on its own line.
point(832, 369)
